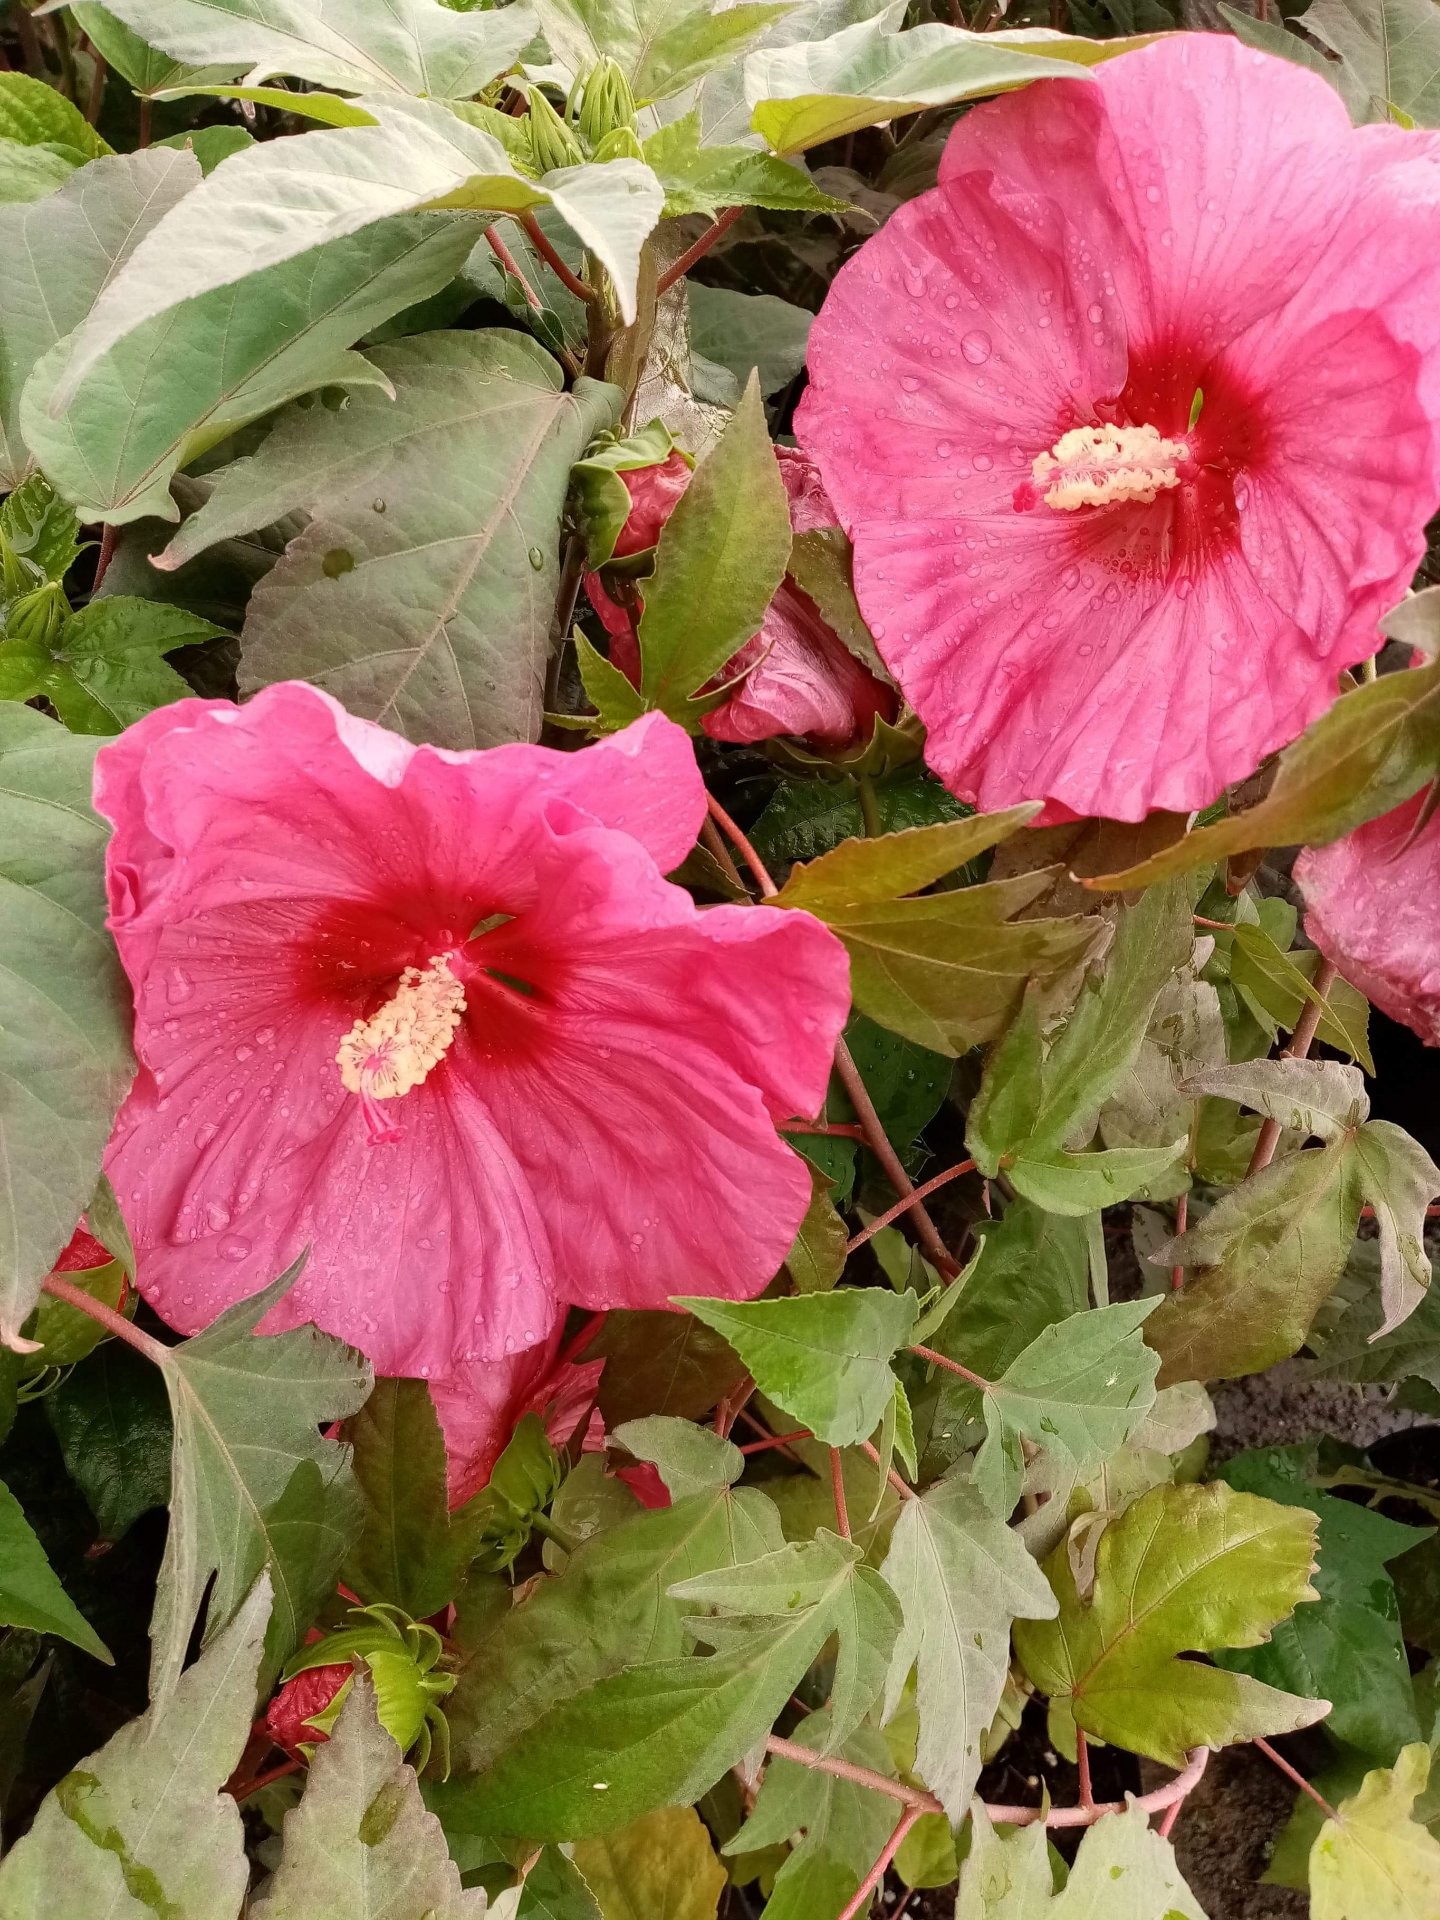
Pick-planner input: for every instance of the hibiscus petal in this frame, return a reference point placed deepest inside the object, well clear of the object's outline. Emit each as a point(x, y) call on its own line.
point(480, 1405)
point(640, 1082)
point(1370, 909)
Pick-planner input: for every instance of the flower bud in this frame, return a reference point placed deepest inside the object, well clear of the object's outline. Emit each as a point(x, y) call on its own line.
point(552, 139)
point(608, 105)
point(36, 618)
point(622, 144)
point(625, 490)
point(400, 1656)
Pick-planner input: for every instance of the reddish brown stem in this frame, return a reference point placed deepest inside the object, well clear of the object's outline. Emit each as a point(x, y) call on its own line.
point(922, 1192)
point(582, 1339)
point(512, 266)
point(1011, 1816)
point(1182, 1221)
point(720, 853)
point(1297, 1779)
point(535, 233)
point(952, 1366)
point(105, 555)
point(97, 86)
point(837, 1484)
point(775, 1440)
point(1299, 1047)
point(757, 866)
point(902, 1487)
point(865, 1892)
point(106, 1317)
point(143, 138)
point(702, 246)
point(841, 1130)
point(1082, 1762)
point(247, 1787)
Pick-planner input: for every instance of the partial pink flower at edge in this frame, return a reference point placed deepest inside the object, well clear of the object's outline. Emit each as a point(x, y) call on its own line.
point(439, 1018)
point(799, 677)
point(1372, 907)
point(1132, 421)
point(480, 1405)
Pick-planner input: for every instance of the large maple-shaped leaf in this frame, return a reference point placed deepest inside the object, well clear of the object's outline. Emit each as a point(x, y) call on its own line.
point(1078, 1391)
point(1123, 1871)
point(661, 1734)
point(65, 1059)
point(610, 1608)
point(1375, 1861)
point(361, 1843)
point(1186, 1569)
point(141, 1829)
point(823, 1357)
point(944, 969)
point(423, 590)
point(1347, 1647)
point(404, 46)
point(253, 1482)
point(962, 1577)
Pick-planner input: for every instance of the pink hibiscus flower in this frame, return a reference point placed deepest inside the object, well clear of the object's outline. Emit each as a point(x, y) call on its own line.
point(481, 1404)
point(1133, 423)
point(440, 1018)
point(1371, 908)
point(799, 676)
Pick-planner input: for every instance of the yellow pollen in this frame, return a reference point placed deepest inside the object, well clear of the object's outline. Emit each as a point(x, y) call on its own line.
point(1097, 466)
point(391, 1052)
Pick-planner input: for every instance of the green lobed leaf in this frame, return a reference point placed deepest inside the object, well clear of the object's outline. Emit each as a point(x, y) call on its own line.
point(146, 69)
point(1375, 1861)
point(105, 668)
point(663, 1865)
point(1078, 1392)
point(254, 1484)
point(821, 1572)
point(1347, 1647)
point(1186, 1569)
point(658, 1734)
point(704, 179)
point(361, 1843)
point(1277, 986)
point(141, 1829)
point(111, 1417)
point(610, 1608)
point(32, 173)
point(819, 90)
point(1124, 1870)
point(555, 1889)
point(161, 395)
point(59, 254)
point(689, 1459)
point(962, 1578)
point(30, 1594)
point(1362, 757)
point(823, 1357)
point(65, 1056)
point(817, 1259)
point(720, 557)
point(422, 592)
point(406, 46)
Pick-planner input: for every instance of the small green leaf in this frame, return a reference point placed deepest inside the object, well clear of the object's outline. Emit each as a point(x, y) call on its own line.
point(145, 67)
point(823, 1357)
point(142, 1827)
point(1186, 1569)
point(1375, 1861)
point(962, 1577)
point(1080, 1184)
point(361, 1843)
point(105, 668)
point(38, 526)
point(1078, 1392)
point(1008, 1877)
point(703, 179)
point(1362, 757)
point(1318, 1099)
point(254, 1484)
point(1277, 987)
point(817, 1259)
point(689, 1459)
point(720, 557)
point(30, 1594)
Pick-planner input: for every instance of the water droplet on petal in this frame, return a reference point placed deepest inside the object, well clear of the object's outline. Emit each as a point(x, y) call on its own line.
point(976, 347)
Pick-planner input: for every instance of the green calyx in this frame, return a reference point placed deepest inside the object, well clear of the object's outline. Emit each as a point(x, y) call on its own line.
point(402, 1656)
point(607, 108)
point(599, 498)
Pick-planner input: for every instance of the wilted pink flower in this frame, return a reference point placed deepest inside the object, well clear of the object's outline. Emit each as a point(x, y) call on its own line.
point(799, 676)
point(1132, 422)
point(439, 1018)
point(481, 1404)
point(299, 1700)
point(1372, 906)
